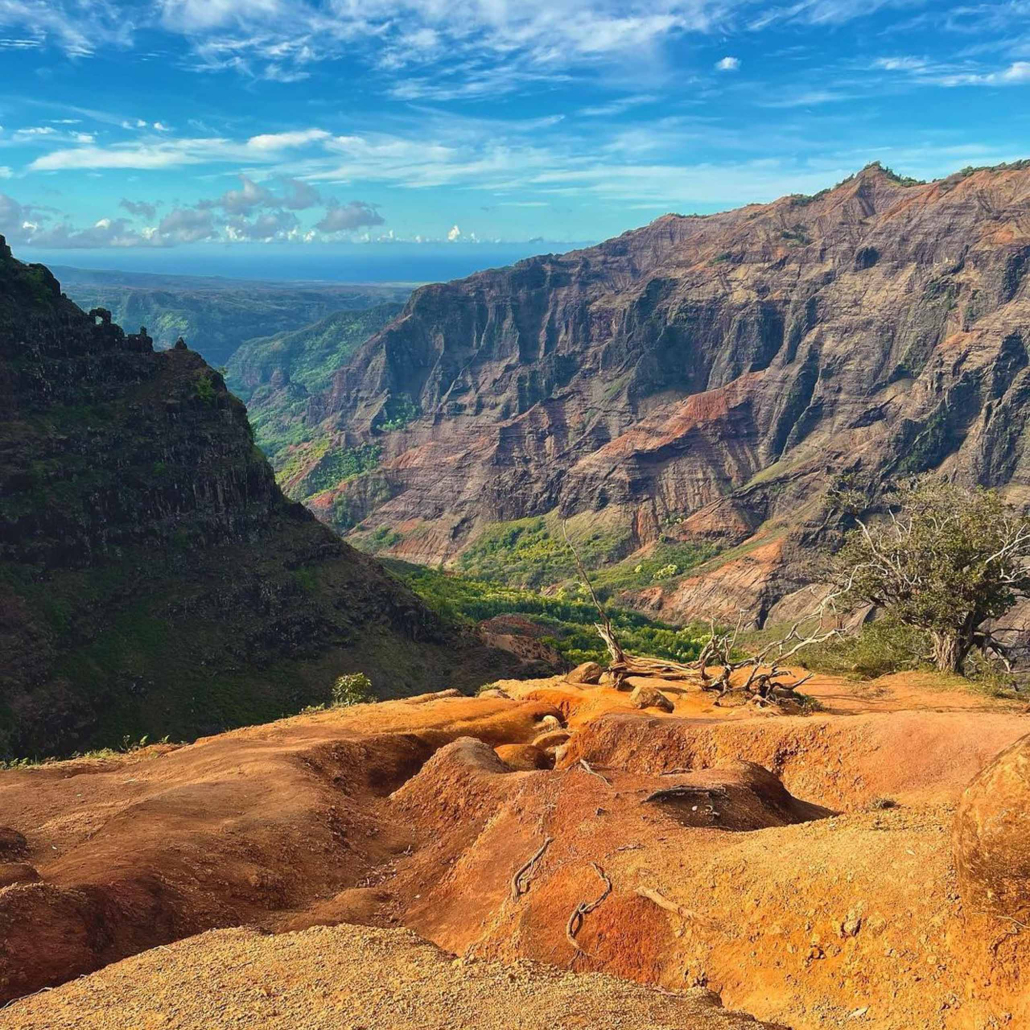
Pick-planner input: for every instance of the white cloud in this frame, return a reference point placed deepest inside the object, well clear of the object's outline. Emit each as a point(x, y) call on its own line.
point(200, 15)
point(300, 195)
point(463, 44)
point(243, 200)
point(76, 26)
point(925, 73)
point(161, 152)
point(348, 217)
point(282, 140)
point(1015, 73)
point(161, 127)
point(454, 234)
point(5, 172)
point(900, 64)
point(728, 64)
point(35, 132)
point(187, 225)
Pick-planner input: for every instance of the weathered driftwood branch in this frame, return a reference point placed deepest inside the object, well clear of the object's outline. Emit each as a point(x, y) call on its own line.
point(767, 682)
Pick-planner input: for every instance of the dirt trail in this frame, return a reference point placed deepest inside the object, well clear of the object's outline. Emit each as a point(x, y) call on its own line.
point(829, 903)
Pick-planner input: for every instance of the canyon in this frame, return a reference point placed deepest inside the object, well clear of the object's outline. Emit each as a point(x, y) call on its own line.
point(711, 380)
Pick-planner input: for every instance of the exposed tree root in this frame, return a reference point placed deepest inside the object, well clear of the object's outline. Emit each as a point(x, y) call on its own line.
point(670, 906)
point(520, 881)
point(583, 909)
point(584, 764)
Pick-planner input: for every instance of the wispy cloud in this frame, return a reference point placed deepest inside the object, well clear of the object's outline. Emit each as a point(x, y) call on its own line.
point(170, 153)
point(951, 74)
point(78, 27)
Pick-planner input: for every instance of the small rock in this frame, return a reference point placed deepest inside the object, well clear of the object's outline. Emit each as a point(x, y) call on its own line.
point(553, 738)
point(650, 697)
point(587, 674)
point(850, 926)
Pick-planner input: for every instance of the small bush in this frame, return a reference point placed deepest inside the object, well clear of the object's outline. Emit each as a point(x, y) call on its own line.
point(204, 389)
point(882, 647)
point(989, 674)
point(353, 689)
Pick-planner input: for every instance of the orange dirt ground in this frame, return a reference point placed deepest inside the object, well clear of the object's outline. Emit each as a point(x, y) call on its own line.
point(832, 905)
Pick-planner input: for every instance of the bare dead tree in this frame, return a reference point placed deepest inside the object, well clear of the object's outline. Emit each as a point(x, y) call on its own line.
point(719, 667)
point(604, 627)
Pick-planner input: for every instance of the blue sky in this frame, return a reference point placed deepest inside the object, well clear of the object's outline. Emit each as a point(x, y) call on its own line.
point(177, 123)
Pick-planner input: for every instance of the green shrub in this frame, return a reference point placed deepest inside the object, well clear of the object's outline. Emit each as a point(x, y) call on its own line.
point(398, 413)
point(355, 688)
point(882, 647)
point(204, 389)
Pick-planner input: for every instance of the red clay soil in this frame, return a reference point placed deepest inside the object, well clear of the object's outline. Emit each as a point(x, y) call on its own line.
point(659, 849)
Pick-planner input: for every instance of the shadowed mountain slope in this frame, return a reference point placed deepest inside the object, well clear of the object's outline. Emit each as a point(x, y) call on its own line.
point(153, 578)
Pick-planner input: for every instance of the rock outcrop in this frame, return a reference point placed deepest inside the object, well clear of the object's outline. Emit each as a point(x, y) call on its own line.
point(153, 578)
point(705, 378)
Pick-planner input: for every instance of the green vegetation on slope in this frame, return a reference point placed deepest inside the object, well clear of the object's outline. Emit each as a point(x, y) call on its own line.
point(569, 622)
point(308, 356)
point(532, 552)
point(276, 377)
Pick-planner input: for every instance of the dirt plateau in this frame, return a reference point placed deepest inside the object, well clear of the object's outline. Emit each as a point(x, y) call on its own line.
point(420, 863)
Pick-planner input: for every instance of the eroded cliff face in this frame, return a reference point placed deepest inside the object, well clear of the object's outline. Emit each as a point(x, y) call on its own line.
point(714, 373)
point(153, 578)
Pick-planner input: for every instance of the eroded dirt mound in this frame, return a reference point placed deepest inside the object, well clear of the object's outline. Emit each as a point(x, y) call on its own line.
point(243, 827)
point(406, 814)
point(353, 977)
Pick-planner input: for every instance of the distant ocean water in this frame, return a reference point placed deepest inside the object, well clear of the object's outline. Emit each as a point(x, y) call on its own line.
point(396, 262)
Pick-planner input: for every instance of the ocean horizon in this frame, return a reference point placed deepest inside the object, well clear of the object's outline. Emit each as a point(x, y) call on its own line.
point(359, 263)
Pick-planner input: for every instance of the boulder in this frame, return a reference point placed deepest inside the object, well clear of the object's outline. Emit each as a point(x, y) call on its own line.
point(587, 674)
point(992, 836)
point(524, 757)
point(650, 697)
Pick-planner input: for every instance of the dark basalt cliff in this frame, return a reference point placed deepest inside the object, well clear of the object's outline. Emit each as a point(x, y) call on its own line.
point(153, 578)
point(711, 374)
